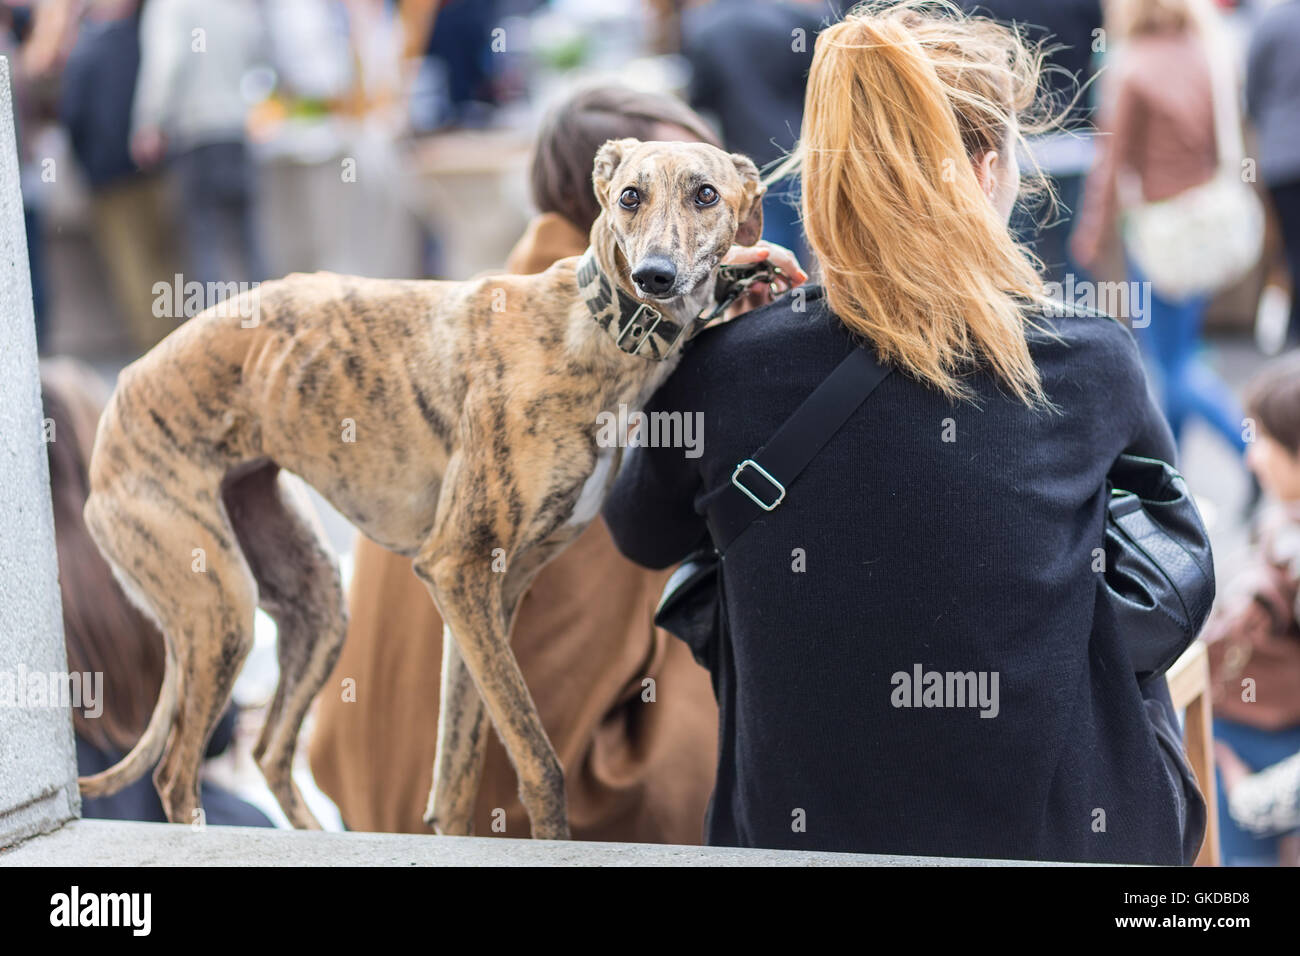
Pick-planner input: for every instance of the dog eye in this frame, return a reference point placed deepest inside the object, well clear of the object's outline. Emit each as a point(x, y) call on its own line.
point(629, 198)
point(706, 196)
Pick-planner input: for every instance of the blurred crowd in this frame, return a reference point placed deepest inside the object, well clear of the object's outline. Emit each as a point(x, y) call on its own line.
point(170, 142)
point(175, 137)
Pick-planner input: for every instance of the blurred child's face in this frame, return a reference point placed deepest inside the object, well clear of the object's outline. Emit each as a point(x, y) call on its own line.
point(1276, 468)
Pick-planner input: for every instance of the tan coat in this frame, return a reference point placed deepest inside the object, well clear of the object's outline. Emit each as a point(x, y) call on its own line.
point(635, 770)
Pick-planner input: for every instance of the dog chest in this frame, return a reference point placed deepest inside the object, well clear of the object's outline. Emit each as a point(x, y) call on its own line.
point(592, 495)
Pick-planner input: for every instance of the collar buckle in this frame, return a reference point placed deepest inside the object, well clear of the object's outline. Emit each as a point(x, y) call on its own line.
point(633, 322)
point(639, 328)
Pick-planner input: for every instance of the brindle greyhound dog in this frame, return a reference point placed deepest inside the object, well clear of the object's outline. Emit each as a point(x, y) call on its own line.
point(453, 422)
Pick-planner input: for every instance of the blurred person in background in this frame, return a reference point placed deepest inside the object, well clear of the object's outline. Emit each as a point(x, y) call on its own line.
point(34, 39)
point(189, 106)
point(106, 634)
point(133, 226)
point(1273, 105)
point(584, 637)
point(1157, 119)
point(49, 29)
point(1254, 633)
point(749, 63)
point(455, 43)
point(1067, 30)
point(1266, 802)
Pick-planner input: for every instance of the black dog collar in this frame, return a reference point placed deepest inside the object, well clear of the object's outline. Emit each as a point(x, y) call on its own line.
point(636, 327)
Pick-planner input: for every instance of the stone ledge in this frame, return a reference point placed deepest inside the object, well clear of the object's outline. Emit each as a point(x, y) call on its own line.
point(113, 843)
point(42, 814)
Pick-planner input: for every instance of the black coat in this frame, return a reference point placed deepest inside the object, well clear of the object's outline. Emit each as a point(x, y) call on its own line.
point(957, 538)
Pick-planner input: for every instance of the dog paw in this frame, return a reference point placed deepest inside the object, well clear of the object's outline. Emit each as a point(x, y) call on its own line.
point(558, 830)
point(445, 827)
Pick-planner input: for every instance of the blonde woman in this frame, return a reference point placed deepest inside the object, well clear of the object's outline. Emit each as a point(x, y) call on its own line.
point(918, 658)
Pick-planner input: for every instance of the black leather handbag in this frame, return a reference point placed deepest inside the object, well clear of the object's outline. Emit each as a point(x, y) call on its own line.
point(691, 605)
point(1158, 572)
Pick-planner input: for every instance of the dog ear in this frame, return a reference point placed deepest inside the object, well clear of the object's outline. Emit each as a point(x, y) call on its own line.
point(608, 158)
point(750, 229)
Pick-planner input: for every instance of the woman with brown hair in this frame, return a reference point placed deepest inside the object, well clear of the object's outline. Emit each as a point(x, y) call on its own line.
point(918, 656)
point(107, 636)
point(631, 715)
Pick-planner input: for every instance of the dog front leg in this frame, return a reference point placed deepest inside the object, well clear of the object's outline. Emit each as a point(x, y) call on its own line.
point(470, 595)
point(462, 744)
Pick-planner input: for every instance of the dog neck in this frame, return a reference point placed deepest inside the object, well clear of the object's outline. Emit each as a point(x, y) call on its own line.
point(653, 332)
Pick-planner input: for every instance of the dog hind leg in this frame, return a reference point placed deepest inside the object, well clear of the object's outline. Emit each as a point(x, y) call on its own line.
point(178, 560)
point(299, 588)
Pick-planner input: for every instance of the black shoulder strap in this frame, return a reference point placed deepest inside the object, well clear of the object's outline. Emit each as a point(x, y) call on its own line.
point(758, 484)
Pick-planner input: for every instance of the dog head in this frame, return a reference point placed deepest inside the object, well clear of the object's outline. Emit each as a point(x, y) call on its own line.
point(671, 211)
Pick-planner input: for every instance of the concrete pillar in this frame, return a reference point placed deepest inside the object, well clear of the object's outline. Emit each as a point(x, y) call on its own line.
point(38, 772)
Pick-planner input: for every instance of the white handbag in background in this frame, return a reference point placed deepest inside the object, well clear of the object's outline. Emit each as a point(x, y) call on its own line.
point(1205, 238)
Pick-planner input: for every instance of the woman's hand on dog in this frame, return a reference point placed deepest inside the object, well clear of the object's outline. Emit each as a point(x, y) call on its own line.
point(761, 293)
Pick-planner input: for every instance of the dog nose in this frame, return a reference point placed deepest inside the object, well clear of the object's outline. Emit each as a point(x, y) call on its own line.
point(655, 275)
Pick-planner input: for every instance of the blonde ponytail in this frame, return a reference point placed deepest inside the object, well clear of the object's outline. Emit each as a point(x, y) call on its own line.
point(901, 98)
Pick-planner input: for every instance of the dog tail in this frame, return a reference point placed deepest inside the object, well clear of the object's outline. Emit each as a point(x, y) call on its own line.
point(148, 748)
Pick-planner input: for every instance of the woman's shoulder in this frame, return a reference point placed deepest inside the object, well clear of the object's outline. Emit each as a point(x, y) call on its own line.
point(1076, 346)
point(797, 325)
point(1060, 322)
point(794, 313)
point(801, 321)
point(763, 353)
point(1074, 343)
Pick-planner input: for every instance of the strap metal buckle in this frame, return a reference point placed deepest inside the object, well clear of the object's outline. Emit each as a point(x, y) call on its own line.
point(635, 330)
point(735, 282)
point(750, 463)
